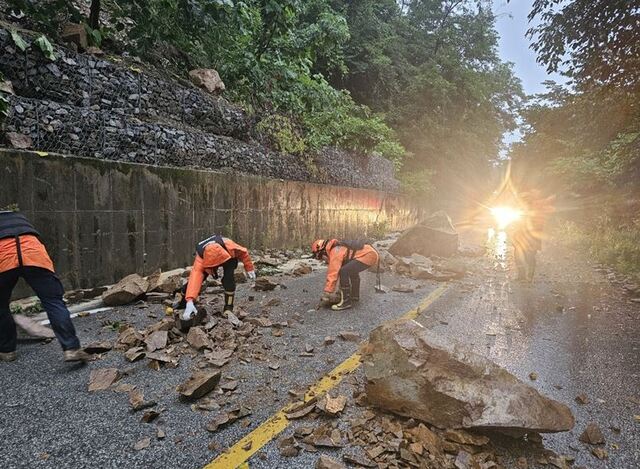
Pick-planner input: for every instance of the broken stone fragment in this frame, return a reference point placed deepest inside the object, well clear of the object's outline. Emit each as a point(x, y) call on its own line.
point(198, 338)
point(101, 379)
point(137, 402)
point(349, 336)
point(582, 399)
point(125, 291)
point(592, 435)
point(288, 447)
point(329, 340)
point(358, 461)
point(156, 341)
point(260, 322)
point(332, 405)
point(233, 319)
point(142, 444)
point(466, 438)
point(98, 347)
point(199, 384)
point(325, 462)
point(134, 354)
point(414, 373)
point(264, 284)
point(301, 410)
point(149, 416)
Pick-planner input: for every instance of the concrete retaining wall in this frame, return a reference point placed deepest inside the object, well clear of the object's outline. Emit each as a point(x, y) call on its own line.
point(102, 220)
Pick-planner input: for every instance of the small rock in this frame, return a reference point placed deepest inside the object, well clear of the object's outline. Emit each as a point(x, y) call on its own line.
point(349, 336)
point(592, 435)
point(101, 379)
point(199, 384)
point(142, 444)
point(198, 338)
point(98, 347)
point(156, 341)
point(325, 462)
point(582, 399)
point(600, 453)
point(533, 376)
point(264, 284)
point(329, 340)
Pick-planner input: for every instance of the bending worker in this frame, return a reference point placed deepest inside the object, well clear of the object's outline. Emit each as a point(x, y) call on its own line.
point(211, 254)
point(23, 255)
point(346, 260)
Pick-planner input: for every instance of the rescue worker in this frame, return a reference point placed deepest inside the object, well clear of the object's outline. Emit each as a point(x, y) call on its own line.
point(22, 254)
point(346, 260)
point(528, 232)
point(211, 254)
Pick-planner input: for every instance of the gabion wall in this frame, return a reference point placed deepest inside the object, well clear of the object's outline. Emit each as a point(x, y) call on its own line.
point(87, 106)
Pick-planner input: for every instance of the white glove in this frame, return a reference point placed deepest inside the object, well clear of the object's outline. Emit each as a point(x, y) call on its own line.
point(251, 274)
point(189, 311)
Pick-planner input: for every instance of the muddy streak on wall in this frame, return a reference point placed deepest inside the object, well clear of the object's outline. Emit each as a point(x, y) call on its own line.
point(102, 220)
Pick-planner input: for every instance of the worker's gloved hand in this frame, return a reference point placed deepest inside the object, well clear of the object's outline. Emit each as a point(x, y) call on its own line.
point(189, 311)
point(251, 275)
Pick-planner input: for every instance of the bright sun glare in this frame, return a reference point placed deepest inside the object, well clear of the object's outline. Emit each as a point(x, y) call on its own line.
point(505, 216)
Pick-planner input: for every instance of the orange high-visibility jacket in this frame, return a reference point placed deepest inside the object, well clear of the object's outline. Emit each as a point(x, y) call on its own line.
point(34, 253)
point(214, 256)
point(338, 255)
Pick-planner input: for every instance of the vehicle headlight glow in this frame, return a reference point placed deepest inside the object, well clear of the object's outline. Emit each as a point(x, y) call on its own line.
point(505, 216)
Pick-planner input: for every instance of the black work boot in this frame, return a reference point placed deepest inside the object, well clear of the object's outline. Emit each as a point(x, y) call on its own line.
point(355, 289)
point(345, 301)
point(228, 301)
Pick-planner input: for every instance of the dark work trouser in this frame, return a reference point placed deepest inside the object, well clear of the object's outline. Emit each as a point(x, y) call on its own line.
point(49, 290)
point(350, 274)
point(228, 279)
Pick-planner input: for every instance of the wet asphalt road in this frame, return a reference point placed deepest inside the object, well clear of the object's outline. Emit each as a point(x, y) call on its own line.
point(577, 332)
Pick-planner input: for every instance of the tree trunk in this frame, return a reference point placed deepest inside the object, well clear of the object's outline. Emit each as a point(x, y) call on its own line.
point(94, 15)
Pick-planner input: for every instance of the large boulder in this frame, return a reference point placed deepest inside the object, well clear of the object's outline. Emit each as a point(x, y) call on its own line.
point(126, 290)
point(207, 78)
point(434, 236)
point(414, 373)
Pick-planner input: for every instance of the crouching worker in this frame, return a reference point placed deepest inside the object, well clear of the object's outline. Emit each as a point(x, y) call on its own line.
point(212, 253)
point(23, 255)
point(346, 260)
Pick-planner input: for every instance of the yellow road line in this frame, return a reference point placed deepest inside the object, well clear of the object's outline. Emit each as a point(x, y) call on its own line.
point(238, 455)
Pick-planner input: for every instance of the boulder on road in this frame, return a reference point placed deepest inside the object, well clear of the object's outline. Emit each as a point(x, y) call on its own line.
point(414, 373)
point(125, 291)
point(434, 236)
point(165, 282)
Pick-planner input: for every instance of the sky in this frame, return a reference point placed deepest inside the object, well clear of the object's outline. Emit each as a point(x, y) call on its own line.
point(512, 25)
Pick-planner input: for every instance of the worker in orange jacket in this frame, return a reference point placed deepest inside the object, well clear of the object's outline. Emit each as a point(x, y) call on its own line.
point(211, 254)
point(346, 260)
point(23, 255)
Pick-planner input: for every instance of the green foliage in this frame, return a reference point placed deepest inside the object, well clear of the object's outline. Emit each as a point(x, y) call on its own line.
point(596, 42)
point(378, 229)
point(45, 46)
point(18, 41)
point(369, 76)
point(612, 244)
point(281, 134)
point(418, 184)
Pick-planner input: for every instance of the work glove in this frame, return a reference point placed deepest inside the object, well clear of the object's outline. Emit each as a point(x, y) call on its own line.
point(251, 275)
point(189, 311)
